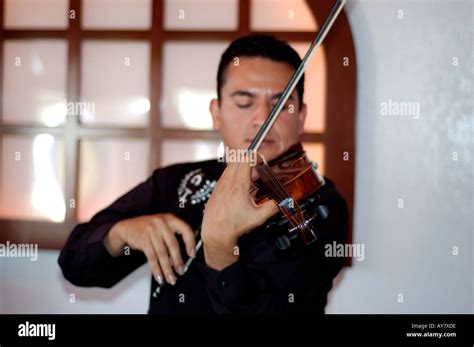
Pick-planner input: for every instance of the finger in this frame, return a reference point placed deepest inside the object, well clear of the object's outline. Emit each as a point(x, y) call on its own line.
point(225, 176)
point(161, 251)
point(174, 251)
point(244, 172)
point(266, 210)
point(182, 228)
point(231, 169)
point(153, 262)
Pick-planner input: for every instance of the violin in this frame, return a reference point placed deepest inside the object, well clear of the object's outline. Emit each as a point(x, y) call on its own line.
point(291, 179)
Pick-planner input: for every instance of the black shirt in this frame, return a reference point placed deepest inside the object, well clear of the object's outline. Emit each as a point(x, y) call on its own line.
point(263, 280)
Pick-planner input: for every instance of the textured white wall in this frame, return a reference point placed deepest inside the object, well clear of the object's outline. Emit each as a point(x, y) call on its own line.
point(407, 251)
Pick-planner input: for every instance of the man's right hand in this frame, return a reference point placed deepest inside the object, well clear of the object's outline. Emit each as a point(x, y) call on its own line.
point(155, 236)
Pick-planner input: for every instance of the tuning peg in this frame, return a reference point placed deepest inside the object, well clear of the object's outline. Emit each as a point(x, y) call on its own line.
point(322, 211)
point(282, 242)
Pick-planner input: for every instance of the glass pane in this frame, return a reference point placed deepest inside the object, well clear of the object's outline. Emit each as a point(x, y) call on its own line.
point(315, 152)
point(314, 88)
point(201, 15)
point(34, 14)
point(116, 14)
point(188, 88)
point(181, 151)
point(115, 83)
point(281, 15)
point(34, 81)
point(32, 178)
point(108, 169)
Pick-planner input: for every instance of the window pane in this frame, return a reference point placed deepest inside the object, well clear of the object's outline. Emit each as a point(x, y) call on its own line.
point(189, 87)
point(35, 81)
point(314, 88)
point(108, 169)
point(315, 152)
point(116, 14)
point(201, 15)
point(115, 83)
point(180, 151)
point(32, 178)
point(281, 15)
point(34, 14)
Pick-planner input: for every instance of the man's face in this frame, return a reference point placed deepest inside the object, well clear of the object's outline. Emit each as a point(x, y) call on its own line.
point(249, 92)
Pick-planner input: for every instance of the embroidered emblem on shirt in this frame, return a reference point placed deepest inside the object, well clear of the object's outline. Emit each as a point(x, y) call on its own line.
point(194, 188)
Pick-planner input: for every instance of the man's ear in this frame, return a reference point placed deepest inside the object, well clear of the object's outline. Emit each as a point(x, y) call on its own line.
point(302, 118)
point(215, 110)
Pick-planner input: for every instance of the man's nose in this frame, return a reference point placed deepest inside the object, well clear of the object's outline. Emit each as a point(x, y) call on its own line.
point(261, 114)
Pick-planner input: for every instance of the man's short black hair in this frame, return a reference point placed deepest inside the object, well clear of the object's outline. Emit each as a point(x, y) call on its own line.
point(266, 46)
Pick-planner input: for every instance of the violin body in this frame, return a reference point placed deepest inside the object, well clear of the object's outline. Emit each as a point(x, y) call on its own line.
point(300, 180)
point(295, 171)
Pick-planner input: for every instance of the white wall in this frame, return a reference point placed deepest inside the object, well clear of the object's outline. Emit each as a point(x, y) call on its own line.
point(407, 251)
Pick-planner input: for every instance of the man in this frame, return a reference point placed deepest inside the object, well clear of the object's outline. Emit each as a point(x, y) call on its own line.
point(239, 269)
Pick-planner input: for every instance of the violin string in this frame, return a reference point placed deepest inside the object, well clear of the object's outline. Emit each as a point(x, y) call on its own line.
point(276, 186)
point(273, 189)
point(270, 179)
point(265, 171)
